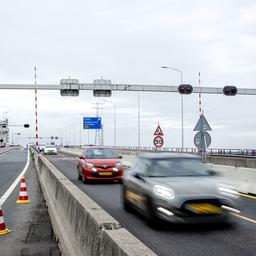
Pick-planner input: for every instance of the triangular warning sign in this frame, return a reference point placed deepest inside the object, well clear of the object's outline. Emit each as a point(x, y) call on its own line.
point(202, 124)
point(158, 131)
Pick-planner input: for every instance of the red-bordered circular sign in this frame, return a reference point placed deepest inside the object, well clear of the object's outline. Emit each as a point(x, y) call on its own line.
point(158, 141)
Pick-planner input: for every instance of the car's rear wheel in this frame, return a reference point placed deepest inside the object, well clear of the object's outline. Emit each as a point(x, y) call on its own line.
point(126, 204)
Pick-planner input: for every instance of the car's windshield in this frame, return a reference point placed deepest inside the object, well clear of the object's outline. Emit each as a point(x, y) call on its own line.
point(100, 153)
point(176, 167)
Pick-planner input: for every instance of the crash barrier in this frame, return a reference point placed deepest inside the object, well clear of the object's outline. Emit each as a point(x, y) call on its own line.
point(233, 161)
point(243, 179)
point(80, 225)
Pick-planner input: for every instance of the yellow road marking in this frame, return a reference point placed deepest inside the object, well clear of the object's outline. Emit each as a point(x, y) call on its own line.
point(245, 195)
point(244, 218)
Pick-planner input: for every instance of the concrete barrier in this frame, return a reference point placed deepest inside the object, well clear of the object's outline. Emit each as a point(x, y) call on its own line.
point(243, 179)
point(233, 161)
point(80, 225)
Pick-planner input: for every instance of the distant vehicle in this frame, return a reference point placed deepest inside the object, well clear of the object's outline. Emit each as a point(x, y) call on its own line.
point(99, 163)
point(41, 147)
point(177, 188)
point(50, 150)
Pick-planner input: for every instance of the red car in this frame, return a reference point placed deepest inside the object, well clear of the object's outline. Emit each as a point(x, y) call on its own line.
point(99, 163)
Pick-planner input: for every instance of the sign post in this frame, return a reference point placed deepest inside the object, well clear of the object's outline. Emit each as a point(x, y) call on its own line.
point(158, 139)
point(202, 139)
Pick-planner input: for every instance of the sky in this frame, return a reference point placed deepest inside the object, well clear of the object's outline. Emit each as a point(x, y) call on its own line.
point(128, 42)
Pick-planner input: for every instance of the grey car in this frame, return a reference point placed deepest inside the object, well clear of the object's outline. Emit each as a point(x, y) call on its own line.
point(178, 188)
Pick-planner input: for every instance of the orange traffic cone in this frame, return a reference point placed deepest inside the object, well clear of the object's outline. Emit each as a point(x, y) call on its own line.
point(3, 229)
point(23, 197)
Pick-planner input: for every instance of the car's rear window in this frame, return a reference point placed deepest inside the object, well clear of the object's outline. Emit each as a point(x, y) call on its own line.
point(100, 153)
point(176, 167)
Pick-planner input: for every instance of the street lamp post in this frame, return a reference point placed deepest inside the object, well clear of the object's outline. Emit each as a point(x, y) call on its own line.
point(114, 105)
point(80, 130)
point(182, 123)
point(138, 94)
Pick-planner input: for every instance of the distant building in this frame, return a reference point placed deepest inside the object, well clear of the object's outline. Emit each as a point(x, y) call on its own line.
point(4, 132)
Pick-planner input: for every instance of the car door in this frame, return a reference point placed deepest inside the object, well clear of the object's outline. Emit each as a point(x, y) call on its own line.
point(137, 186)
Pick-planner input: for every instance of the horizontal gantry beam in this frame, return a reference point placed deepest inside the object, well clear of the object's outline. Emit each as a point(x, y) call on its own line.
point(125, 87)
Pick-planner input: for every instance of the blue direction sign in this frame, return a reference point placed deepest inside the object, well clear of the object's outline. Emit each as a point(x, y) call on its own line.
point(92, 122)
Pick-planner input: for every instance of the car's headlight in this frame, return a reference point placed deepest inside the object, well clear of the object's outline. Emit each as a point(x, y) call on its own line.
point(163, 192)
point(228, 190)
point(118, 165)
point(115, 169)
point(89, 165)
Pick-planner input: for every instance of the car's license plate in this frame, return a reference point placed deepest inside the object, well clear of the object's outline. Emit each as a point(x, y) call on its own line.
point(105, 173)
point(204, 208)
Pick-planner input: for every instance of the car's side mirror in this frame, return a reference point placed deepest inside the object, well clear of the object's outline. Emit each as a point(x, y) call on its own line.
point(82, 157)
point(212, 173)
point(138, 175)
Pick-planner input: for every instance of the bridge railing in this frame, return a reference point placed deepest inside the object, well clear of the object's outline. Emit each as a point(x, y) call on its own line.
point(153, 149)
point(210, 151)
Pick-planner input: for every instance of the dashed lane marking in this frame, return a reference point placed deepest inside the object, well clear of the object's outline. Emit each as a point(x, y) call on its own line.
point(244, 218)
point(249, 196)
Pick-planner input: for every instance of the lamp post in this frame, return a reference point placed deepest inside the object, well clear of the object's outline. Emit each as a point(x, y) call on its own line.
point(182, 123)
point(138, 94)
point(114, 105)
point(80, 130)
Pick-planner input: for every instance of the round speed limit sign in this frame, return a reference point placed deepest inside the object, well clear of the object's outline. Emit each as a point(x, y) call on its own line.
point(158, 141)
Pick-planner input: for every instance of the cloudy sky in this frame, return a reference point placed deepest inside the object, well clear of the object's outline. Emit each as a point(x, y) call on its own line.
point(127, 42)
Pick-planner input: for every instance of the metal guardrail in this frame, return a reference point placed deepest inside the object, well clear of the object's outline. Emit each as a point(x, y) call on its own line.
point(153, 149)
point(233, 152)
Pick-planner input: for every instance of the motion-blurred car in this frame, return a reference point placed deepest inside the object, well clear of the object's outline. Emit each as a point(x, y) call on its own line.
point(177, 188)
point(50, 150)
point(99, 163)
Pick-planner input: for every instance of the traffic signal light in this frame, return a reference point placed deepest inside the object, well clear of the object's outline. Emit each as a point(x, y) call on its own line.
point(185, 89)
point(230, 90)
point(26, 125)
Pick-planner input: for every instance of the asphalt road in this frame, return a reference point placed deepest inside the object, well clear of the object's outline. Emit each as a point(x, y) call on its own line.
point(236, 240)
point(30, 223)
point(11, 164)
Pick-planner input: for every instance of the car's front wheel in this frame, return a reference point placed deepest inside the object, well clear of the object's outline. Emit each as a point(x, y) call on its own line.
point(153, 220)
point(84, 180)
point(79, 175)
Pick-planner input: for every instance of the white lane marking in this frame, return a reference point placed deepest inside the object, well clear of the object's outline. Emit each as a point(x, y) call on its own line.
point(14, 184)
point(6, 152)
